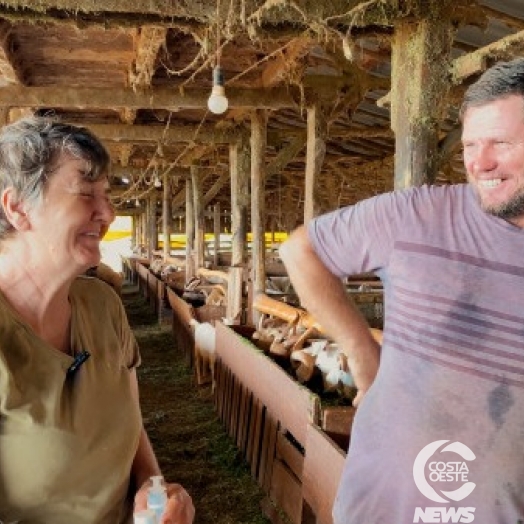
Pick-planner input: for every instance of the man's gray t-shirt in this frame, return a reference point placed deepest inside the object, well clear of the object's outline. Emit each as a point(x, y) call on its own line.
point(439, 435)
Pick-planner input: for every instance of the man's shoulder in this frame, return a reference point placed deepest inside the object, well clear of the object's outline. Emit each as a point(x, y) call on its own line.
point(432, 191)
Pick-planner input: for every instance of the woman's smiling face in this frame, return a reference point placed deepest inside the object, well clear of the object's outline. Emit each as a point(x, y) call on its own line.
point(72, 217)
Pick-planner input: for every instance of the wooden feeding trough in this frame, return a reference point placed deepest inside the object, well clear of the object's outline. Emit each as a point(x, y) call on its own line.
point(183, 312)
point(277, 424)
point(142, 269)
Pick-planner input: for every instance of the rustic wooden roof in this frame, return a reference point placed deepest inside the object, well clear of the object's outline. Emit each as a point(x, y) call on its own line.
point(138, 72)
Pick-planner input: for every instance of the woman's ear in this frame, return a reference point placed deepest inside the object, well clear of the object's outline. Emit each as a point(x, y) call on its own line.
point(14, 210)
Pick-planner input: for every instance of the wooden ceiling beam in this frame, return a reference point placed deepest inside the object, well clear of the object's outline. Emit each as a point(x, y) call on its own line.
point(288, 59)
point(9, 73)
point(478, 61)
point(163, 135)
point(286, 155)
point(202, 11)
point(156, 98)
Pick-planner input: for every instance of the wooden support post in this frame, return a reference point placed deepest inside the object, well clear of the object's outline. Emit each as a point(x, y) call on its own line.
point(420, 83)
point(258, 202)
point(143, 228)
point(152, 229)
point(190, 230)
point(315, 153)
point(240, 164)
point(198, 208)
point(235, 288)
point(290, 213)
point(134, 231)
point(166, 214)
point(216, 234)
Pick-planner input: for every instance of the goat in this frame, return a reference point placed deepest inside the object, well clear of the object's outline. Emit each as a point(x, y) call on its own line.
point(205, 350)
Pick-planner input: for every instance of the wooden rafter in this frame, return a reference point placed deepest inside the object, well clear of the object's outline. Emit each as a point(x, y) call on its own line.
point(9, 74)
point(478, 61)
point(151, 134)
point(156, 98)
point(283, 64)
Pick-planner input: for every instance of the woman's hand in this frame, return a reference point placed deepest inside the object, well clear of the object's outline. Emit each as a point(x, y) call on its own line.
point(179, 506)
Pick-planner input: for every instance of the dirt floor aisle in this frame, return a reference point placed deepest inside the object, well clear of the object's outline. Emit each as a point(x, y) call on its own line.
point(191, 445)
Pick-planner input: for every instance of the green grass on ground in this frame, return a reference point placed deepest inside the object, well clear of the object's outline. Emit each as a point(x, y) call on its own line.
point(191, 445)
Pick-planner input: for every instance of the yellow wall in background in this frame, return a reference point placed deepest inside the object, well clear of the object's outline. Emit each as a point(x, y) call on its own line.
point(121, 228)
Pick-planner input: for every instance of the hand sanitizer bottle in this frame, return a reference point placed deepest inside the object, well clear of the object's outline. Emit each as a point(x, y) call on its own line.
point(157, 497)
point(146, 516)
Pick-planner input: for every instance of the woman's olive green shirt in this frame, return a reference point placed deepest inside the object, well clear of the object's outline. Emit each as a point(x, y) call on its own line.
point(67, 443)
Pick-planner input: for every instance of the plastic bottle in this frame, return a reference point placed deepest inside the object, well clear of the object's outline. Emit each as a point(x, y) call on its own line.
point(146, 516)
point(157, 497)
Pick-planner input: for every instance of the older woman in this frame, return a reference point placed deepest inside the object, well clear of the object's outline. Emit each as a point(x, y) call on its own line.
point(72, 445)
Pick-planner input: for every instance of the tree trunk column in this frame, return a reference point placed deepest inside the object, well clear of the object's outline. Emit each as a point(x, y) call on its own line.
point(198, 207)
point(134, 231)
point(315, 153)
point(240, 165)
point(258, 201)
point(420, 83)
point(152, 229)
point(216, 235)
point(190, 230)
point(167, 219)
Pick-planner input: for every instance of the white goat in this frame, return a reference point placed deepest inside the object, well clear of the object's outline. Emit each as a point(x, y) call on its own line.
point(333, 365)
point(205, 350)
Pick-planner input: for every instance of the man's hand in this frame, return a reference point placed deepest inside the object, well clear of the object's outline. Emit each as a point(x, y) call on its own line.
point(363, 365)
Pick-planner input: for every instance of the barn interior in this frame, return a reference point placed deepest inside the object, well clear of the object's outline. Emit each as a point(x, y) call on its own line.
point(328, 103)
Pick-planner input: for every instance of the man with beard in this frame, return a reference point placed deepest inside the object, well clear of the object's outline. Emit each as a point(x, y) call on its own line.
point(441, 403)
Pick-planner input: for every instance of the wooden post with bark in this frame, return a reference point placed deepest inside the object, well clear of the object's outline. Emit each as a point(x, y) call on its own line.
point(198, 209)
point(419, 87)
point(190, 230)
point(258, 201)
point(166, 214)
point(216, 234)
point(315, 153)
point(152, 229)
point(240, 163)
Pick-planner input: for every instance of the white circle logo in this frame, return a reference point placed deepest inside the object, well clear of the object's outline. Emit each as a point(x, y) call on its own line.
point(444, 471)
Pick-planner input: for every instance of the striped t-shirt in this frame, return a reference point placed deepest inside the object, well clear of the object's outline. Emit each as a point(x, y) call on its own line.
point(439, 435)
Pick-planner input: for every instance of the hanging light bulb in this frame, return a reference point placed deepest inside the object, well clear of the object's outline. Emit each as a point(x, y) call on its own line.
point(156, 182)
point(217, 102)
point(137, 203)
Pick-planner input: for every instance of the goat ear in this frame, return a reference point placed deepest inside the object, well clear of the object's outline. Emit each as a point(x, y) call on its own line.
point(14, 209)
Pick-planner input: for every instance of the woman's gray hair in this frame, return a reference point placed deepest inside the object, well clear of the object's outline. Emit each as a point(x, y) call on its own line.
point(30, 150)
point(500, 81)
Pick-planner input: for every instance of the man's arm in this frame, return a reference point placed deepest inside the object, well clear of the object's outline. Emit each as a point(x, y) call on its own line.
point(324, 296)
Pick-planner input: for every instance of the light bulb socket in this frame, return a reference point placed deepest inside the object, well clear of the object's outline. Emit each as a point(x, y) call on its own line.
point(218, 76)
point(218, 90)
